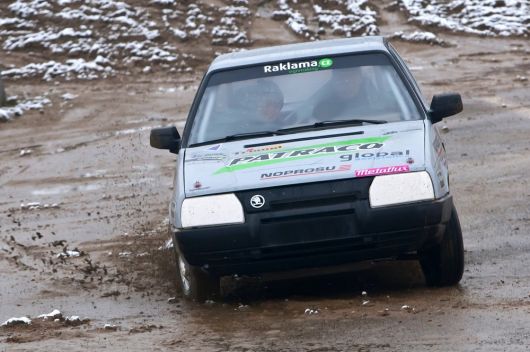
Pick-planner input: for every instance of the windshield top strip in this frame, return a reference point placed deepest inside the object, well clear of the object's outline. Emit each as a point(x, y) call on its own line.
point(257, 71)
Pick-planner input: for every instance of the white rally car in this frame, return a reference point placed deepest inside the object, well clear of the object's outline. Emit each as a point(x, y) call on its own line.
point(311, 155)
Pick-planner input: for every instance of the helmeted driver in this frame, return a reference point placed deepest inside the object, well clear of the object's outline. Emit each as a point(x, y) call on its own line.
point(342, 95)
point(265, 99)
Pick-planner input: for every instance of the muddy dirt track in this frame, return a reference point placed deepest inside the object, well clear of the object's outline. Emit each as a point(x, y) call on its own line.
point(107, 192)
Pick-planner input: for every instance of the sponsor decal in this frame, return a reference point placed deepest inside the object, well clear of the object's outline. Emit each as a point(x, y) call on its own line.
point(306, 152)
point(440, 164)
point(257, 150)
point(387, 170)
point(263, 149)
point(372, 155)
point(198, 189)
point(439, 148)
point(197, 186)
point(299, 67)
point(437, 145)
point(206, 157)
point(305, 171)
point(215, 147)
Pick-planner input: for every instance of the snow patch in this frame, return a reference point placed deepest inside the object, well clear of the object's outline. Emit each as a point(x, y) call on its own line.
point(230, 30)
point(99, 36)
point(42, 38)
point(485, 17)
point(293, 19)
point(408, 308)
point(68, 96)
point(347, 18)
point(24, 152)
point(10, 112)
point(164, 2)
point(16, 321)
point(69, 254)
point(419, 37)
point(342, 17)
point(72, 68)
point(55, 314)
point(38, 205)
point(110, 327)
point(309, 311)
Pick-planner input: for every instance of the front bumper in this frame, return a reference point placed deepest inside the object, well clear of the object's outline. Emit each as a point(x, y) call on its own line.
point(311, 235)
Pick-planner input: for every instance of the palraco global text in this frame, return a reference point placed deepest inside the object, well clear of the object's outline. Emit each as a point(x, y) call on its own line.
point(363, 145)
point(305, 152)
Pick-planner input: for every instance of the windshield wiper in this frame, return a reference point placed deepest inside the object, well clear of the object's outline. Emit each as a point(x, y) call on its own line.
point(332, 123)
point(348, 122)
point(283, 131)
point(237, 136)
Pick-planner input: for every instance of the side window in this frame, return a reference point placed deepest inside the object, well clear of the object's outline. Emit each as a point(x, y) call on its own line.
point(408, 73)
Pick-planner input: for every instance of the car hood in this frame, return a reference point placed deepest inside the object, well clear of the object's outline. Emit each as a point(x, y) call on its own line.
point(314, 156)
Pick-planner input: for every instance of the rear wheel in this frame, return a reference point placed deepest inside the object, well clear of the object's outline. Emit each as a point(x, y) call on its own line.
point(443, 264)
point(196, 284)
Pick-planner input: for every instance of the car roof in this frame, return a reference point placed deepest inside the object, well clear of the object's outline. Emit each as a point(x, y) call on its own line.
point(299, 50)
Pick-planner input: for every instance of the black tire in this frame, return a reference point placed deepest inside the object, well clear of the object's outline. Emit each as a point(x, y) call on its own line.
point(196, 284)
point(443, 264)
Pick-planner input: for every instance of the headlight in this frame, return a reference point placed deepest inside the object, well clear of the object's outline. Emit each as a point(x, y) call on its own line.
point(211, 210)
point(401, 188)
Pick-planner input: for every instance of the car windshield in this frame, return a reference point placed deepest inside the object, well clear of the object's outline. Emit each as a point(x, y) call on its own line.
point(300, 93)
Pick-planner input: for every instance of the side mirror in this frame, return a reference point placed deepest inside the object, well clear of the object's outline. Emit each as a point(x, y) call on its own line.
point(443, 105)
point(165, 138)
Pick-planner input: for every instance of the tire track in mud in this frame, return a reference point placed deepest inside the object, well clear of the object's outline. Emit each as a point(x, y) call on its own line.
point(132, 264)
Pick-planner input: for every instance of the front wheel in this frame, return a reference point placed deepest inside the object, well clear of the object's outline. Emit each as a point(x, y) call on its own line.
point(443, 264)
point(196, 284)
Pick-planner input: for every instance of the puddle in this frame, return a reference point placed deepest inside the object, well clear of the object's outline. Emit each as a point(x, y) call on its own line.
point(134, 130)
point(65, 189)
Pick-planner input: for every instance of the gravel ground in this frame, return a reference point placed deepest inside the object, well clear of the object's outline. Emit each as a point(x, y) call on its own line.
point(83, 207)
